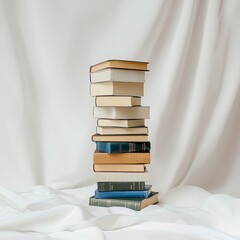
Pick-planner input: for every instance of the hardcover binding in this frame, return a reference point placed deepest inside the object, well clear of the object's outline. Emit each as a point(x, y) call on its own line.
point(123, 147)
point(124, 194)
point(120, 186)
point(112, 60)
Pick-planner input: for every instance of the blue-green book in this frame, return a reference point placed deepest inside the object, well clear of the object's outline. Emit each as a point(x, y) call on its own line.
point(123, 147)
point(124, 194)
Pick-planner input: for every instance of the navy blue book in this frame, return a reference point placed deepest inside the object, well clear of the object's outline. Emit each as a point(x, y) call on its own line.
point(124, 194)
point(123, 147)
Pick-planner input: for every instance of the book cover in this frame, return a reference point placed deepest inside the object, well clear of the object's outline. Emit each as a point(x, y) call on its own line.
point(117, 88)
point(121, 158)
point(117, 101)
point(120, 123)
point(121, 131)
point(117, 75)
point(124, 194)
point(133, 203)
point(138, 112)
point(119, 138)
point(121, 177)
point(120, 186)
point(119, 167)
point(122, 64)
point(123, 147)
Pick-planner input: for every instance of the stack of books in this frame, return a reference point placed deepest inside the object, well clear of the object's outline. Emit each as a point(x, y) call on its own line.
point(122, 146)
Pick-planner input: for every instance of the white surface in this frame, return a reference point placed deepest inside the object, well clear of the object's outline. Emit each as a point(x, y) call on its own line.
point(185, 213)
point(46, 122)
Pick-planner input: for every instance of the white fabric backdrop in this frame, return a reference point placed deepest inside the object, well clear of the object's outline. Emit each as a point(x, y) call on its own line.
point(46, 123)
point(193, 88)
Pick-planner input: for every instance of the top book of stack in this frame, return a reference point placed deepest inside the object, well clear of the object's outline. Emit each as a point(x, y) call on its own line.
point(122, 64)
point(115, 70)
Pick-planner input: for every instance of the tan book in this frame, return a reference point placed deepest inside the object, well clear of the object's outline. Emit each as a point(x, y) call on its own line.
point(121, 158)
point(117, 101)
point(124, 64)
point(117, 75)
point(122, 112)
point(116, 88)
point(119, 138)
point(121, 131)
point(119, 167)
point(120, 123)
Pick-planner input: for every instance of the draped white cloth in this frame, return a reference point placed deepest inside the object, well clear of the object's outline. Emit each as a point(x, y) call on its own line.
point(46, 122)
point(186, 212)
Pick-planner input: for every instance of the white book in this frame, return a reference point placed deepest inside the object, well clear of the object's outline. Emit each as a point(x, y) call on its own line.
point(117, 88)
point(122, 176)
point(122, 112)
point(117, 75)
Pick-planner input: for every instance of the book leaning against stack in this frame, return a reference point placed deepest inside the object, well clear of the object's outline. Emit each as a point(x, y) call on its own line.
point(122, 146)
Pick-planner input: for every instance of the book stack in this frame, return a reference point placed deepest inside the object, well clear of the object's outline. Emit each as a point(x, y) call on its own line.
point(122, 146)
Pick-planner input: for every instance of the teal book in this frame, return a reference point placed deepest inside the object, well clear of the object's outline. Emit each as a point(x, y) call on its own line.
point(120, 186)
point(124, 194)
point(133, 203)
point(123, 147)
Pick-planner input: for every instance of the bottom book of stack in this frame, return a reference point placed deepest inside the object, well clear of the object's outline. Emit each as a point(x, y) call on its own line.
point(133, 195)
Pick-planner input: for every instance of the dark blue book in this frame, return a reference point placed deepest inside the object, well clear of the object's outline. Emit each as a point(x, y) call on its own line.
point(124, 194)
point(123, 147)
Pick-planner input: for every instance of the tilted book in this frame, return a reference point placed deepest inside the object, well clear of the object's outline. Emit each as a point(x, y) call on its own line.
point(120, 186)
point(119, 138)
point(121, 177)
point(121, 131)
point(117, 75)
point(117, 101)
point(120, 122)
point(122, 64)
point(121, 158)
point(133, 203)
point(123, 147)
point(116, 88)
point(124, 194)
point(142, 112)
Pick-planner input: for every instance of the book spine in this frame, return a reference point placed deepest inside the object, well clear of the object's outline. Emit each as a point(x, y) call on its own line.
point(115, 203)
point(121, 186)
point(121, 194)
point(123, 147)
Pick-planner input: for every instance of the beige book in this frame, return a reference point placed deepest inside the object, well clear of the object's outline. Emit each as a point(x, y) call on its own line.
point(117, 75)
point(117, 101)
point(124, 64)
point(121, 131)
point(116, 88)
point(120, 123)
point(119, 138)
point(121, 177)
point(119, 167)
point(122, 112)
